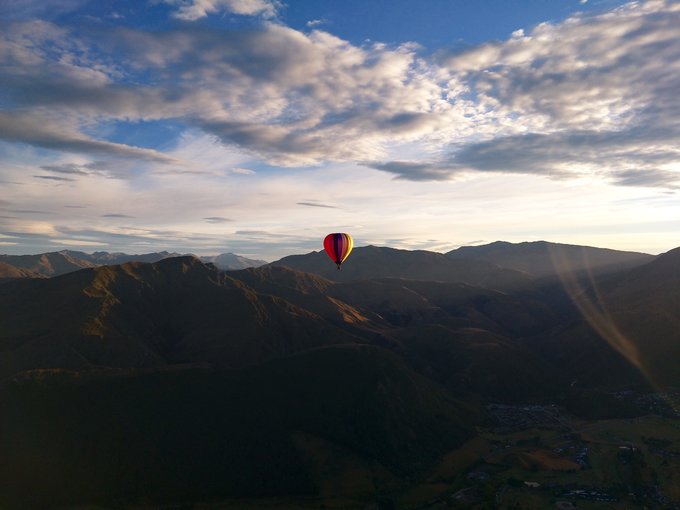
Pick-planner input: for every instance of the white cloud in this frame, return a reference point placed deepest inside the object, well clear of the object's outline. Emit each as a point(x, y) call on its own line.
point(242, 171)
point(78, 242)
point(41, 130)
point(298, 99)
point(591, 95)
point(36, 227)
point(191, 10)
point(315, 22)
point(278, 93)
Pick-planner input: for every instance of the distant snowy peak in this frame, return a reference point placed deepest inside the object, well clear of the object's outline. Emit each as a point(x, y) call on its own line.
point(231, 261)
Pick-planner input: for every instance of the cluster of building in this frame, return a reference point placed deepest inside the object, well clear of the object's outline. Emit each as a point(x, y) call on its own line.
point(663, 403)
point(578, 452)
point(589, 493)
point(512, 418)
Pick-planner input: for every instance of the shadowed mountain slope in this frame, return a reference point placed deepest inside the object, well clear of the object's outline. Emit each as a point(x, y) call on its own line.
point(193, 434)
point(398, 302)
point(656, 283)
point(459, 335)
point(310, 292)
point(282, 280)
point(481, 362)
point(182, 311)
point(628, 330)
point(541, 258)
point(644, 306)
point(621, 328)
point(141, 315)
point(174, 382)
point(371, 262)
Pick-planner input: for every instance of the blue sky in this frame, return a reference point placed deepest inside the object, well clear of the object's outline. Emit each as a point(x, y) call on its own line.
point(257, 126)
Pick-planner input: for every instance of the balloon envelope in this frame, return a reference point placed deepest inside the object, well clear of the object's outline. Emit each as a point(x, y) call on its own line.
point(338, 246)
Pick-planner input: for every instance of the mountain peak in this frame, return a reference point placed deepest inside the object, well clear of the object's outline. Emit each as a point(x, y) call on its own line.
point(231, 261)
point(184, 263)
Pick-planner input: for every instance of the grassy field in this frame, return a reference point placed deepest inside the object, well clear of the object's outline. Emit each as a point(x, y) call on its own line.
point(630, 463)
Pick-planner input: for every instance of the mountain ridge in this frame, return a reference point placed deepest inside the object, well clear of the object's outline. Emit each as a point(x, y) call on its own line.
point(56, 263)
point(180, 310)
point(142, 315)
point(543, 258)
point(377, 262)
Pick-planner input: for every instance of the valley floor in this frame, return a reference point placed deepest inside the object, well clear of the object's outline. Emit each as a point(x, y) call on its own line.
point(574, 464)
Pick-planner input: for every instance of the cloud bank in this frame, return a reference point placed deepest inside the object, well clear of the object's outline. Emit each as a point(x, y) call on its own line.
point(593, 94)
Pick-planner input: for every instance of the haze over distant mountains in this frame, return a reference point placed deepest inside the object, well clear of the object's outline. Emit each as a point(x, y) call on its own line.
point(302, 375)
point(499, 262)
point(67, 261)
point(231, 261)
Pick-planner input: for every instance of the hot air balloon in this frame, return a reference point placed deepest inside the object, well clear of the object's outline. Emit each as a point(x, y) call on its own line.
point(338, 247)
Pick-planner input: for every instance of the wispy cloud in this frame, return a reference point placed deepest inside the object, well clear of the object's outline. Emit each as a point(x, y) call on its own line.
point(253, 233)
point(109, 169)
point(77, 242)
point(316, 204)
point(217, 219)
point(315, 22)
point(116, 215)
point(54, 178)
point(415, 170)
point(27, 211)
point(242, 171)
point(629, 158)
point(191, 10)
point(66, 168)
point(647, 178)
point(28, 9)
point(41, 131)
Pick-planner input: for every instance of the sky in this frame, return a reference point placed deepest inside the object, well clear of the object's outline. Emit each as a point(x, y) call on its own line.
point(258, 126)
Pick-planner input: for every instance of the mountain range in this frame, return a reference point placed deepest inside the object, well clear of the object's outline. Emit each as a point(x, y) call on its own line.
point(541, 258)
point(371, 262)
point(294, 378)
point(67, 261)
